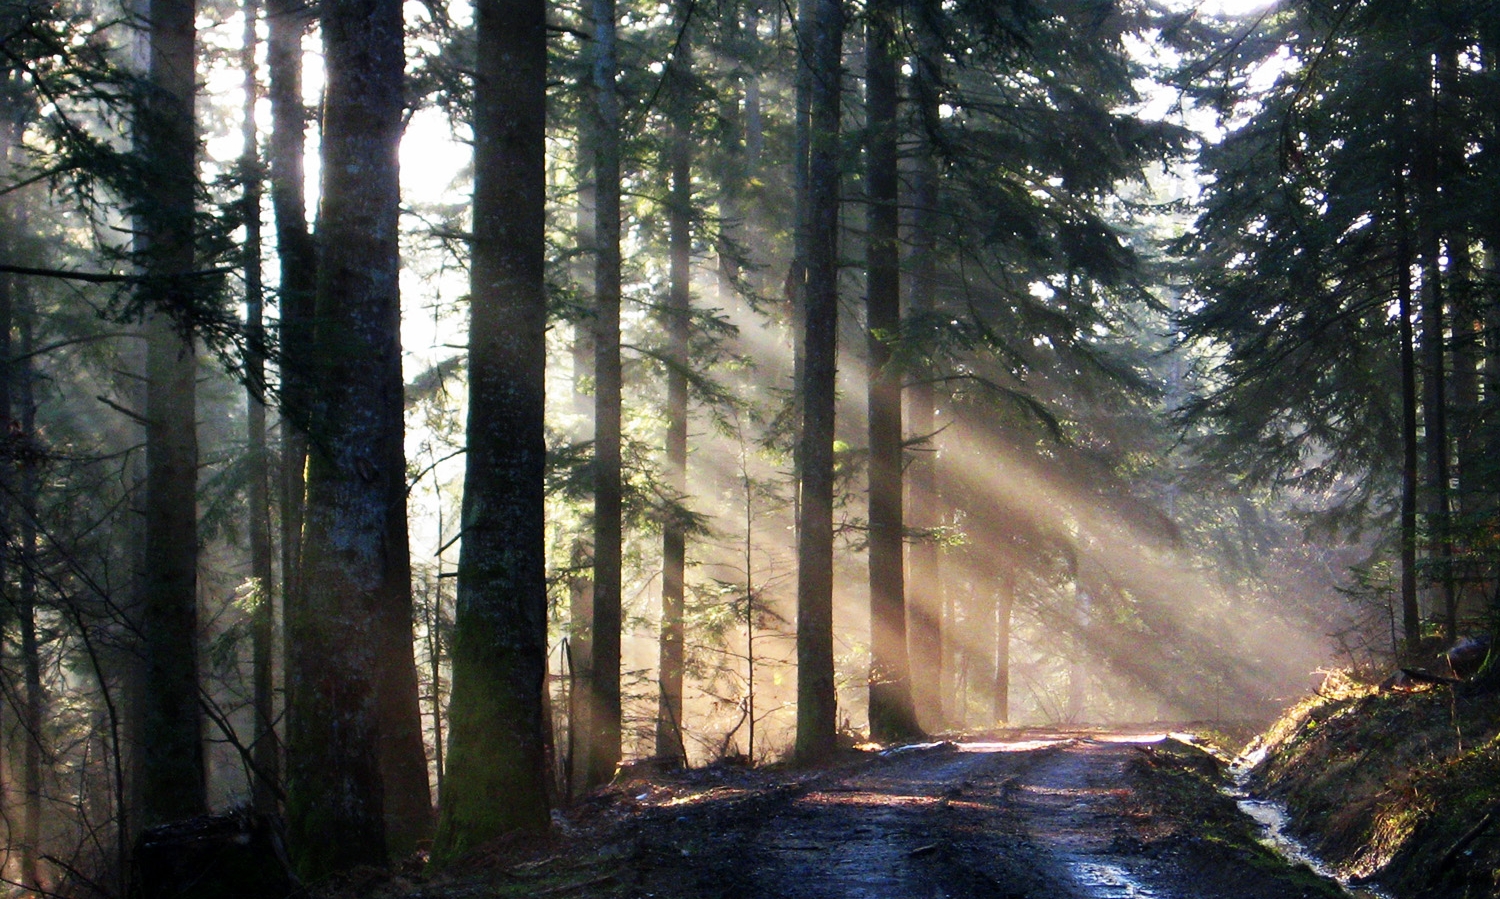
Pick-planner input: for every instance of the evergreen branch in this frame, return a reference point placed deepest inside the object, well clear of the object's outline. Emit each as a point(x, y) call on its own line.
point(109, 277)
point(128, 413)
point(669, 70)
point(39, 176)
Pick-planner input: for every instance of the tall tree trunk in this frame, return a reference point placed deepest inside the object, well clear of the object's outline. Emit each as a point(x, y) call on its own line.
point(173, 775)
point(265, 754)
point(604, 745)
point(796, 275)
point(734, 172)
point(35, 714)
point(286, 21)
point(497, 765)
point(1435, 428)
point(1487, 479)
point(18, 412)
point(816, 700)
point(435, 650)
point(1080, 565)
point(754, 124)
point(353, 569)
point(924, 610)
point(10, 132)
point(1005, 603)
point(892, 716)
point(669, 739)
point(1468, 340)
point(1434, 368)
point(403, 753)
point(581, 582)
point(1411, 614)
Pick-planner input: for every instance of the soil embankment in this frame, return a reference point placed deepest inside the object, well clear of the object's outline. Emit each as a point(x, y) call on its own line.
point(1396, 788)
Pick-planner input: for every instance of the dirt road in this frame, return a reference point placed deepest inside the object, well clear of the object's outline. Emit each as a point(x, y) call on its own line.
point(1051, 817)
point(1043, 818)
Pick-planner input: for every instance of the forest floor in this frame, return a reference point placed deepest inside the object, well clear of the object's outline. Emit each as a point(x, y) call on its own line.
point(1045, 815)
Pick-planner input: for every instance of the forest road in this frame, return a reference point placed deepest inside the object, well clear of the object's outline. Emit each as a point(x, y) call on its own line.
point(1054, 817)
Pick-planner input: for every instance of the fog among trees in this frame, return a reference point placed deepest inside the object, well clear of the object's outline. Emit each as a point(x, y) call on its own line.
point(414, 411)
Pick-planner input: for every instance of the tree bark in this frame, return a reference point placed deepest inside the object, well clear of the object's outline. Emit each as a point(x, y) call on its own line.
point(604, 745)
point(677, 314)
point(172, 765)
point(497, 763)
point(892, 716)
point(816, 701)
point(353, 569)
point(580, 582)
point(1005, 602)
point(403, 753)
point(286, 21)
point(1411, 613)
point(18, 406)
point(1426, 171)
point(265, 754)
point(924, 603)
point(1468, 340)
point(796, 275)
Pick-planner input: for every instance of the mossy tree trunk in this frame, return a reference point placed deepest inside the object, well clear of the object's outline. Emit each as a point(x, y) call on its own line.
point(497, 769)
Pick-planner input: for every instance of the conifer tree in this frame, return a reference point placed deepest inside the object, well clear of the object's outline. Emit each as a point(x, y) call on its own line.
point(497, 768)
point(604, 742)
point(354, 563)
point(677, 313)
point(891, 713)
point(172, 768)
point(822, 40)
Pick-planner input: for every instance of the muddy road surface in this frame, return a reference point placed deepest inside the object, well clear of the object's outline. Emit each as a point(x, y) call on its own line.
point(1044, 816)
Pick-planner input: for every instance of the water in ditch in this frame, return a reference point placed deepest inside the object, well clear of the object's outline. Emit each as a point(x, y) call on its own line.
point(1272, 818)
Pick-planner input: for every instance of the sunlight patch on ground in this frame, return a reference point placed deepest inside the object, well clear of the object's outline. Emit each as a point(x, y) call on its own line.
point(1107, 881)
point(864, 799)
point(1143, 739)
point(715, 793)
point(1013, 745)
point(1132, 738)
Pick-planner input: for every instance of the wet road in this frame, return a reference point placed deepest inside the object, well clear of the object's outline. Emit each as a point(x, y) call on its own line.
point(1040, 818)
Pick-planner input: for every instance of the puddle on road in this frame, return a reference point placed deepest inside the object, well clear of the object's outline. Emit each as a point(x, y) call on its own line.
point(1106, 881)
point(1272, 818)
